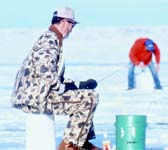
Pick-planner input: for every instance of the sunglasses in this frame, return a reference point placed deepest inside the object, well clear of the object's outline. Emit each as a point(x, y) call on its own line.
point(72, 22)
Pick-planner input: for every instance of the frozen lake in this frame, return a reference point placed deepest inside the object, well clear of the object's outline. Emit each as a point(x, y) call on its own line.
point(114, 99)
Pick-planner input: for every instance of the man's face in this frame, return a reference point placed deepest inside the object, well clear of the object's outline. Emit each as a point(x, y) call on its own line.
point(68, 26)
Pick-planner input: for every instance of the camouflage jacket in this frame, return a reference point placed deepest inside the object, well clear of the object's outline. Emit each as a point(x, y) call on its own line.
point(39, 73)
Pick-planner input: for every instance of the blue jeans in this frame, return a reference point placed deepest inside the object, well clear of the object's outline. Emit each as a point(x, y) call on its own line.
point(131, 75)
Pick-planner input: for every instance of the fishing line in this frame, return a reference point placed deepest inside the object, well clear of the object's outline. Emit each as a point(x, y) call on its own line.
point(121, 102)
point(113, 73)
point(150, 106)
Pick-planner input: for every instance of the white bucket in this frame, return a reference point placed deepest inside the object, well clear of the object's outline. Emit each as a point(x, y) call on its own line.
point(144, 80)
point(40, 132)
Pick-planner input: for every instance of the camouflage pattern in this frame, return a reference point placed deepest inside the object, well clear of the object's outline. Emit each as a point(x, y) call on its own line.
point(37, 86)
point(80, 105)
point(38, 75)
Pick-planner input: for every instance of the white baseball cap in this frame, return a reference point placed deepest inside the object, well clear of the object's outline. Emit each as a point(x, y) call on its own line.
point(67, 13)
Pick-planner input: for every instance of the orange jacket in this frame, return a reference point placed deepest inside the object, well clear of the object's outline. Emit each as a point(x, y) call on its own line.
point(138, 53)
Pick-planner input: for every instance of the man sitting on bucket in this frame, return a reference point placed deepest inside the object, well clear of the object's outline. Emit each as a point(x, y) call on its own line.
point(40, 86)
point(141, 56)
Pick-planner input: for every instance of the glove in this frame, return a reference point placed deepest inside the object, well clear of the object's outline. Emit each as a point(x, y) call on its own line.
point(89, 84)
point(70, 86)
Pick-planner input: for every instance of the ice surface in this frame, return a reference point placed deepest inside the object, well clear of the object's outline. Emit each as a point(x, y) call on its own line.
point(91, 53)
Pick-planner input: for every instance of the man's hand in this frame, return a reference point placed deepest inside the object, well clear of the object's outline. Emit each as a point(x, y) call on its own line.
point(89, 84)
point(141, 65)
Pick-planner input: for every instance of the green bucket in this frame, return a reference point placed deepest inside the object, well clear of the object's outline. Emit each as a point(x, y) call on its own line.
point(130, 132)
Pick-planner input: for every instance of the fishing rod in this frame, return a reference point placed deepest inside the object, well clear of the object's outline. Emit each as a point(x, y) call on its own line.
point(113, 73)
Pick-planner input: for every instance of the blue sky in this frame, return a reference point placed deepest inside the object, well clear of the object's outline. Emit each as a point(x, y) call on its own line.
point(38, 13)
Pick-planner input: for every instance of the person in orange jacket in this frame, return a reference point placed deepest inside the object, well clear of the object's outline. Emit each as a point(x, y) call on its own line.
point(141, 56)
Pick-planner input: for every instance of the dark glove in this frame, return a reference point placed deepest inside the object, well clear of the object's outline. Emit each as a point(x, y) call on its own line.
point(89, 84)
point(70, 86)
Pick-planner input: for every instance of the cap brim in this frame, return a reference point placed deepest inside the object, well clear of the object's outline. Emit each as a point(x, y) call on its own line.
point(150, 49)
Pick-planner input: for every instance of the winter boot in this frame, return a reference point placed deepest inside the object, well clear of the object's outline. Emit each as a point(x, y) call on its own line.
point(89, 146)
point(67, 146)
